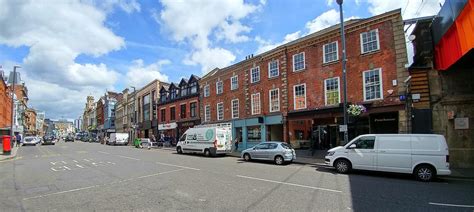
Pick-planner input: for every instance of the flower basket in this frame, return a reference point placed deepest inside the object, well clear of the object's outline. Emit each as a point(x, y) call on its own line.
point(356, 110)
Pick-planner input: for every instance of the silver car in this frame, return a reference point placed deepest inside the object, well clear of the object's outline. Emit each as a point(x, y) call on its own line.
point(30, 140)
point(278, 152)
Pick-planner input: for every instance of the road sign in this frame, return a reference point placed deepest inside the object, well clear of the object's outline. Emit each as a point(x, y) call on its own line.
point(342, 128)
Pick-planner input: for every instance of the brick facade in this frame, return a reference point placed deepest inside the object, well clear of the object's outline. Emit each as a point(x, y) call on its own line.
point(6, 106)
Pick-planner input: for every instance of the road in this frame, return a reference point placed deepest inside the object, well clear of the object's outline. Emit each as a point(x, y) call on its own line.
point(91, 176)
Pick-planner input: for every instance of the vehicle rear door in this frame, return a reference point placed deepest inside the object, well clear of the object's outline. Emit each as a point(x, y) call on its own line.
point(363, 155)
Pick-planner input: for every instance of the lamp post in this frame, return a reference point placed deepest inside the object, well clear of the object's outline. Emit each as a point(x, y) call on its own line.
point(134, 114)
point(344, 79)
point(13, 99)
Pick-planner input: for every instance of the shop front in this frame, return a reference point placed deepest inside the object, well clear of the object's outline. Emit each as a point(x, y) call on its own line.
point(185, 125)
point(168, 130)
point(145, 129)
point(252, 131)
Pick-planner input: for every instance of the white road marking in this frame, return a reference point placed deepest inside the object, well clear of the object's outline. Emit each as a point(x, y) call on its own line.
point(111, 163)
point(451, 205)
point(103, 152)
point(184, 167)
point(87, 160)
point(54, 169)
point(291, 184)
point(66, 167)
point(75, 161)
point(128, 157)
point(100, 185)
point(64, 162)
point(79, 166)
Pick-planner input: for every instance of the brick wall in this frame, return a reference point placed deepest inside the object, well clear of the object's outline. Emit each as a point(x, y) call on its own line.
point(5, 107)
point(177, 105)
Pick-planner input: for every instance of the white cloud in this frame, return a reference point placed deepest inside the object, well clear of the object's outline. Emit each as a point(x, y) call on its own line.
point(326, 19)
point(193, 22)
point(56, 34)
point(128, 6)
point(139, 74)
point(414, 9)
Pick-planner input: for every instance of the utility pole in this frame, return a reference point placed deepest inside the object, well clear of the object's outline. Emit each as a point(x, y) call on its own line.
point(13, 100)
point(344, 79)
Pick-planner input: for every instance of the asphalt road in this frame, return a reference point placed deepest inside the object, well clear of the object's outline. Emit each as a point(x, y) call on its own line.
point(94, 177)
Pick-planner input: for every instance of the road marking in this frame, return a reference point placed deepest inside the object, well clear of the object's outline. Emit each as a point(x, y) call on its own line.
point(451, 205)
point(79, 166)
point(64, 162)
point(111, 163)
point(8, 160)
point(54, 169)
point(75, 161)
point(128, 157)
point(87, 160)
point(100, 185)
point(184, 167)
point(66, 167)
point(291, 184)
point(103, 152)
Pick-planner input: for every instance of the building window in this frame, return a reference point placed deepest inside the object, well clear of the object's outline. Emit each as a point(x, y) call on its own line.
point(274, 96)
point(330, 52)
point(219, 87)
point(234, 82)
point(193, 106)
point(369, 41)
point(193, 87)
point(183, 111)
point(298, 62)
point(300, 96)
point(331, 91)
point(184, 91)
point(146, 107)
point(173, 94)
point(163, 115)
point(255, 103)
point(172, 113)
point(207, 91)
point(207, 113)
point(372, 84)
point(220, 111)
point(255, 74)
point(235, 108)
point(273, 69)
point(163, 96)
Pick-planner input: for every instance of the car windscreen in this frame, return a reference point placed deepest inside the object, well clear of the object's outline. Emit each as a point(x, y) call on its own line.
point(28, 139)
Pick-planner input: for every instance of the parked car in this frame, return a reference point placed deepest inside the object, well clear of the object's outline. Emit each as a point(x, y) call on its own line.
point(69, 138)
point(30, 140)
point(209, 141)
point(276, 151)
point(423, 155)
point(118, 138)
point(147, 143)
point(48, 140)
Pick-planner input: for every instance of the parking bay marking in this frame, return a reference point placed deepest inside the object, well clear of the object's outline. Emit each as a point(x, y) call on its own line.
point(291, 184)
point(100, 185)
point(451, 205)
point(128, 157)
point(184, 167)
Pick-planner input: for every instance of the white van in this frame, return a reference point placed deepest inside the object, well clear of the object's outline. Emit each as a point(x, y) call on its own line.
point(424, 155)
point(118, 139)
point(209, 141)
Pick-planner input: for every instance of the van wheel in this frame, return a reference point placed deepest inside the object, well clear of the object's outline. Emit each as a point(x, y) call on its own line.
point(342, 166)
point(178, 149)
point(279, 160)
point(424, 173)
point(207, 153)
point(247, 157)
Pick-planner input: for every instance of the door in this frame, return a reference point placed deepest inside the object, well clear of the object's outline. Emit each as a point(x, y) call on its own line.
point(394, 153)
point(258, 151)
point(183, 142)
point(363, 155)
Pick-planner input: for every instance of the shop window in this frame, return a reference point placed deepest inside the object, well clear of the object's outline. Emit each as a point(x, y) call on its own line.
point(254, 134)
point(299, 135)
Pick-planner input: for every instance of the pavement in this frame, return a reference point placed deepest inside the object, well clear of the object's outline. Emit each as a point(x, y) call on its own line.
point(8, 156)
point(93, 177)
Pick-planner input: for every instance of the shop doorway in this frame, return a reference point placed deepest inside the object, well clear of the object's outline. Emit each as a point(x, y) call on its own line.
point(275, 132)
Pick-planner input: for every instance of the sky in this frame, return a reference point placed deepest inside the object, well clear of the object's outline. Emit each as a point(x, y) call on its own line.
point(69, 49)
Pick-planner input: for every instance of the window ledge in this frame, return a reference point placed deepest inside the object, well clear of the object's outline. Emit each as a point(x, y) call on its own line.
point(274, 77)
point(331, 63)
point(300, 70)
point(370, 53)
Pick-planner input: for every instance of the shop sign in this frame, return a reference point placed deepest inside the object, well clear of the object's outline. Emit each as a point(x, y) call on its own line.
point(385, 119)
point(342, 128)
point(187, 124)
point(461, 123)
point(168, 126)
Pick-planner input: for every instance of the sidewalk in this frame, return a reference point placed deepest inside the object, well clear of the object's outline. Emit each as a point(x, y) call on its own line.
point(8, 157)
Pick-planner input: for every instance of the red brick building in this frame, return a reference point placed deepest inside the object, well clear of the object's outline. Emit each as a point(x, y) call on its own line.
point(293, 93)
point(178, 107)
point(5, 108)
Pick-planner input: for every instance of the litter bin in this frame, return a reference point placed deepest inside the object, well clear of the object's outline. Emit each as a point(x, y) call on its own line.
point(7, 149)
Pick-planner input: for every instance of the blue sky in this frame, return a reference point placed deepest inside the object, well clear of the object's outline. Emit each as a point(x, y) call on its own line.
point(72, 49)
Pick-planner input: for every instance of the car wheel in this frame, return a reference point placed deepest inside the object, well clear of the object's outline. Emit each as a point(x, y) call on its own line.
point(207, 153)
point(179, 150)
point(342, 166)
point(247, 157)
point(425, 173)
point(279, 160)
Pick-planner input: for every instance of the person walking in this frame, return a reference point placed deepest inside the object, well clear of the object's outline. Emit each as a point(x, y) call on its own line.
point(237, 141)
point(18, 139)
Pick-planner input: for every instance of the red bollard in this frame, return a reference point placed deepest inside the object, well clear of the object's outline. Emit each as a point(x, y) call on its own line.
point(6, 145)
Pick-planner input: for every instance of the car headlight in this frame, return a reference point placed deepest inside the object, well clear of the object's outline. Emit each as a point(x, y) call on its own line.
point(330, 153)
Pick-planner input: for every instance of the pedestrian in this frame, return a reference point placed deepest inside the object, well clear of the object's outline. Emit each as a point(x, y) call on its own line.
point(18, 139)
point(237, 140)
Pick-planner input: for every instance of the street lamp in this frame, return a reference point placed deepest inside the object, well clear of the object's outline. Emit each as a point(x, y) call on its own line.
point(343, 40)
point(13, 99)
point(134, 113)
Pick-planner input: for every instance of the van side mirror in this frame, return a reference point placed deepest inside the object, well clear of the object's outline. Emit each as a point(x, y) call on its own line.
point(352, 146)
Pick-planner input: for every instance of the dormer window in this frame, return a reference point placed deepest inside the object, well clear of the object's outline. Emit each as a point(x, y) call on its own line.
point(173, 94)
point(193, 87)
point(163, 96)
point(184, 91)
